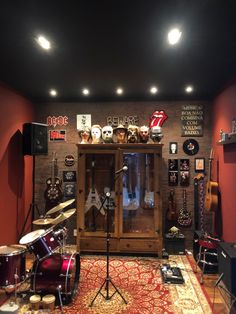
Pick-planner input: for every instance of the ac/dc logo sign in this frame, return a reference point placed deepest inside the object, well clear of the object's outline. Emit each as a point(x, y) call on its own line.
point(54, 121)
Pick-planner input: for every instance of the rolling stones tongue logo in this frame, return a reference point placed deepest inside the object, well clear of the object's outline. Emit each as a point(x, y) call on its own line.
point(157, 118)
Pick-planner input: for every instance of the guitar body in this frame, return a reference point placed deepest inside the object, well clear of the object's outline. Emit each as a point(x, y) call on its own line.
point(53, 192)
point(211, 199)
point(172, 214)
point(212, 189)
point(184, 218)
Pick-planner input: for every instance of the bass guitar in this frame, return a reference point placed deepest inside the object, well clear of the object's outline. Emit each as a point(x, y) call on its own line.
point(172, 214)
point(131, 194)
point(148, 195)
point(212, 189)
point(184, 219)
point(53, 191)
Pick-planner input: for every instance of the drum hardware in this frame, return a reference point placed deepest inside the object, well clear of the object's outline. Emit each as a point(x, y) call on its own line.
point(60, 299)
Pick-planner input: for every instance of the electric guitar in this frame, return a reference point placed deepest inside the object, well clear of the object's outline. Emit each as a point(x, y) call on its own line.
point(93, 201)
point(184, 219)
point(131, 199)
point(53, 191)
point(212, 187)
point(172, 214)
point(148, 195)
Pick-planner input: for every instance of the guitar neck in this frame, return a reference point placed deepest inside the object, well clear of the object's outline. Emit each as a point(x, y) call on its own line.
point(147, 172)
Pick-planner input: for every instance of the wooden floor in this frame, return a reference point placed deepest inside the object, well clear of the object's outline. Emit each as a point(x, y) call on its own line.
point(215, 295)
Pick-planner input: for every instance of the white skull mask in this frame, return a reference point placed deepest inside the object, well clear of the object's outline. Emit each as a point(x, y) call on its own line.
point(107, 133)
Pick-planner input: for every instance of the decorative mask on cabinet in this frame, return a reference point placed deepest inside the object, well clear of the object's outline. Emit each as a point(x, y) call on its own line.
point(84, 135)
point(120, 133)
point(156, 134)
point(133, 131)
point(144, 134)
point(96, 132)
point(107, 133)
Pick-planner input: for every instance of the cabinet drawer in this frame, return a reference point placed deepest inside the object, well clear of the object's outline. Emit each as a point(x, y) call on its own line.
point(97, 244)
point(138, 245)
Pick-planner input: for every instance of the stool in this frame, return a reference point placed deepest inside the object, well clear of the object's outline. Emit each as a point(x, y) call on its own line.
point(49, 302)
point(205, 250)
point(35, 301)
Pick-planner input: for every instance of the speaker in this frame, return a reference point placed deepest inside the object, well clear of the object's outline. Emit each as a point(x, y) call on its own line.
point(227, 265)
point(35, 139)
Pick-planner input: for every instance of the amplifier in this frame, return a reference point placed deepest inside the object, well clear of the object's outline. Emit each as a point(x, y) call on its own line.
point(227, 265)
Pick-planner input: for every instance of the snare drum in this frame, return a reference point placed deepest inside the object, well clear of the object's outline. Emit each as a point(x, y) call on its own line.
point(12, 265)
point(41, 242)
point(57, 271)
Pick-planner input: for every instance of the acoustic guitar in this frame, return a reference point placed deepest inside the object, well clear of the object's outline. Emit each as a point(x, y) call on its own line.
point(172, 214)
point(212, 189)
point(184, 219)
point(53, 191)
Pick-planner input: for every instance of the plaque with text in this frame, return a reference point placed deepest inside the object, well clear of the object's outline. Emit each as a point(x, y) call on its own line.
point(192, 120)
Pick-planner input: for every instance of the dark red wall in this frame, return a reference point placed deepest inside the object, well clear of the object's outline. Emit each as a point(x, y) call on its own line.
point(15, 169)
point(224, 169)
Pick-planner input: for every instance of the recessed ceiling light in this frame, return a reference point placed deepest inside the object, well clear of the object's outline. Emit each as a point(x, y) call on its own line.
point(85, 91)
point(119, 91)
point(53, 92)
point(153, 90)
point(43, 42)
point(189, 89)
point(174, 36)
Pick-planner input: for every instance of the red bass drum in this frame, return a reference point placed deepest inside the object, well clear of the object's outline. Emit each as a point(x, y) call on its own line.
point(58, 271)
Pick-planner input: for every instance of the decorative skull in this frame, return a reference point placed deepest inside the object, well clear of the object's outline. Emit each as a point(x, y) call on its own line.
point(133, 133)
point(156, 134)
point(144, 134)
point(107, 133)
point(96, 132)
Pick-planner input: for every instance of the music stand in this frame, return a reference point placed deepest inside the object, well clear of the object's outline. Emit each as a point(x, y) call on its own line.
point(32, 206)
point(107, 280)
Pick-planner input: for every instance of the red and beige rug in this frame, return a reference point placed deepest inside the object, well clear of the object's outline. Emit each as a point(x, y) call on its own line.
point(139, 281)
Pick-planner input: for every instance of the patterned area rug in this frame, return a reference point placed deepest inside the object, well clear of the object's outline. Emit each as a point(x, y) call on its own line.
point(139, 281)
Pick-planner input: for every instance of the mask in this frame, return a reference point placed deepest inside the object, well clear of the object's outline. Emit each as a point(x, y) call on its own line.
point(107, 133)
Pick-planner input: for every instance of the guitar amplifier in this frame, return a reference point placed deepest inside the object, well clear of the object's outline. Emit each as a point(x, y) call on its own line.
point(227, 265)
point(175, 245)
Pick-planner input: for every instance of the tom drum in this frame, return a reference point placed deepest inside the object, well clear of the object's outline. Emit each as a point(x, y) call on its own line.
point(41, 242)
point(12, 265)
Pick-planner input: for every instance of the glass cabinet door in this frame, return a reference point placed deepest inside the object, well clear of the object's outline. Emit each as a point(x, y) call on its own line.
point(99, 193)
point(138, 193)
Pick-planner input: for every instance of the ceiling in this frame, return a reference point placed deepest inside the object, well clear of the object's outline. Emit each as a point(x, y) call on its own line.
point(102, 44)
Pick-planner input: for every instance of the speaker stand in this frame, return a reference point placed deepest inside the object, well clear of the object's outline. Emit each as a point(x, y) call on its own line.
point(33, 207)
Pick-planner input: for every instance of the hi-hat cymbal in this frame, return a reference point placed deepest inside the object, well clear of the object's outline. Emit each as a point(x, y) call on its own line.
point(63, 216)
point(43, 221)
point(60, 206)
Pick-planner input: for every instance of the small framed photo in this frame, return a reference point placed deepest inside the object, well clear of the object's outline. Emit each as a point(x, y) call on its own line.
point(173, 178)
point(69, 189)
point(69, 176)
point(173, 148)
point(184, 165)
point(173, 164)
point(184, 178)
point(199, 164)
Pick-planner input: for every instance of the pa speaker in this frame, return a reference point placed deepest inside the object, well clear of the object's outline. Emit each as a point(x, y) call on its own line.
point(35, 139)
point(227, 265)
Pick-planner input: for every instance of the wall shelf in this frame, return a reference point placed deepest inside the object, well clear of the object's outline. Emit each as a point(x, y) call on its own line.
point(230, 140)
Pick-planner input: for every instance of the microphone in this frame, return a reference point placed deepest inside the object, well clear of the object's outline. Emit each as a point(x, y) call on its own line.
point(124, 168)
point(219, 279)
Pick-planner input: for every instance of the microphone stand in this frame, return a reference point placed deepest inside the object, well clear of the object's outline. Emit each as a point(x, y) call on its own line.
point(108, 280)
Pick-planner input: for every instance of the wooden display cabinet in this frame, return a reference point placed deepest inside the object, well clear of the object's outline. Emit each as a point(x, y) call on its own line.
point(135, 207)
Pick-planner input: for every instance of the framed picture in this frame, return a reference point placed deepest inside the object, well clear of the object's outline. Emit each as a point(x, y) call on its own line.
point(69, 176)
point(184, 164)
point(199, 164)
point(173, 164)
point(234, 125)
point(69, 189)
point(173, 148)
point(173, 178)
point(184, 178)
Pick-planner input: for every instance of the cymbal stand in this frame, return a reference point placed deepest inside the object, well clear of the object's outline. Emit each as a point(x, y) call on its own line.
point(107, 280)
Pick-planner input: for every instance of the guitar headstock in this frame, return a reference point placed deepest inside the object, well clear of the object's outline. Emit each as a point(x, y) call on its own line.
point(199, 176)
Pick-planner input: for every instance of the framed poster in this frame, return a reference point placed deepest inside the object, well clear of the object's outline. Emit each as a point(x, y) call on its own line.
point(199, 164)
point(69, 176)
point(69, 189)
point(184, 178)
point(184, 165)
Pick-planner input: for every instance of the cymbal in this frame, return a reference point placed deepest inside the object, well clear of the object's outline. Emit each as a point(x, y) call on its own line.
point(63, 216)
point(43, 221)
point(60, 206)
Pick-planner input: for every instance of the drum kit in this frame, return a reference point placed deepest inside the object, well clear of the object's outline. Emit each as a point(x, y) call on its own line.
point(54, 270)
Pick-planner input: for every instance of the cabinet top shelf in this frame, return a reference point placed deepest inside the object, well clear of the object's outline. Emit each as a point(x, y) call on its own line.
point(121, 146)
